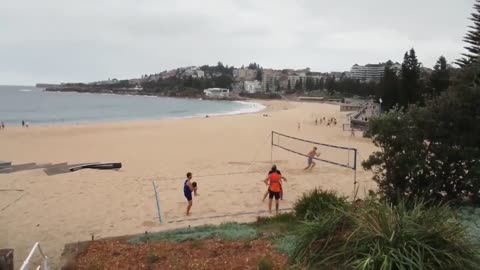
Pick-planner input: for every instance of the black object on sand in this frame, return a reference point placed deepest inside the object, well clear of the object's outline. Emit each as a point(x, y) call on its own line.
point(99, 166)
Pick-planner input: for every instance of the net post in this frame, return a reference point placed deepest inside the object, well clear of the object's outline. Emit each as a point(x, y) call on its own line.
point(355, 165)
point(354, 174)
point(271, 148)
point(158, 203)
point(348, 159)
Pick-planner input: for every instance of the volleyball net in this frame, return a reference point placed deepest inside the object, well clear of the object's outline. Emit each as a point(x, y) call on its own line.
point(345, 157)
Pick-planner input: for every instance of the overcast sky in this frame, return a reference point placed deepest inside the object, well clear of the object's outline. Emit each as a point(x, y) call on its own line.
point(87, 40)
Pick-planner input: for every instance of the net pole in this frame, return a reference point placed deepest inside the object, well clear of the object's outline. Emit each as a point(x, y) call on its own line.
point(158, 203)
point(271, 149)
point(348, 160)
point(355, 166)
point(355, 175)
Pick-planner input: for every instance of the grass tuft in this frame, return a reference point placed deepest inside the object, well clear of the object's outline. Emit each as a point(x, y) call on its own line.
point(227, 231)
point(381, 236)
point(318, 203)
point(152, 258)
point(265, 263)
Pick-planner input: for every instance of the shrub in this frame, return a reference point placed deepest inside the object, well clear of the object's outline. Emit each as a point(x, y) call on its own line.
point(318, 202)
point(382, 236)
point(197, 244)
point(265, 264)
point(430, 152)
point(152, 258)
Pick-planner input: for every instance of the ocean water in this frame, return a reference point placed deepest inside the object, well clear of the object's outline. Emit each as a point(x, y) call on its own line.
point(39, 107)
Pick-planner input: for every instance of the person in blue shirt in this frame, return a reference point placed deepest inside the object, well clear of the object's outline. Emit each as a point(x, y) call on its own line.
point(189, 187)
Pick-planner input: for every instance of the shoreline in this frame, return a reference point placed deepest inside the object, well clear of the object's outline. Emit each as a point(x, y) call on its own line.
point(251, 106)
point(267, 106)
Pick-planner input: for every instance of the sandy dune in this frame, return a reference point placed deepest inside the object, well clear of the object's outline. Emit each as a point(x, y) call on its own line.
point(228, 156)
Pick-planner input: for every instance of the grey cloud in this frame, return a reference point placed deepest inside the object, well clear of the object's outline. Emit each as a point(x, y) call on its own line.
point(57, 40)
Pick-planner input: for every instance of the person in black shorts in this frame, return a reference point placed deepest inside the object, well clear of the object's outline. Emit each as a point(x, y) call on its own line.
point(274, 183)
point(189, 187)
point(274, 170)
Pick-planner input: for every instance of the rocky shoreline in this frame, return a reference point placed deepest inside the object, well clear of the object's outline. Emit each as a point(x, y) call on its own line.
point(171, 93)
point(135, 92)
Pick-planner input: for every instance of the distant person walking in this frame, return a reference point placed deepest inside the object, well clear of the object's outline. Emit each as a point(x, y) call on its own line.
point(23, 123)
point(274, 183)
point(189, 187)
point(311, 155)
point(2, 125)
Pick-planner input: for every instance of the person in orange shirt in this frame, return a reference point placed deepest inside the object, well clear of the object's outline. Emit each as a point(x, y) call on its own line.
point(274, 169)
point(274, 183)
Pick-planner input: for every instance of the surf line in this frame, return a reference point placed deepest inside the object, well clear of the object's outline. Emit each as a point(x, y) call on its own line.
point(158, 203)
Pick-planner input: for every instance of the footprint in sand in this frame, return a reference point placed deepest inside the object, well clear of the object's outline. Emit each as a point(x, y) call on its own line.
point(148, 223)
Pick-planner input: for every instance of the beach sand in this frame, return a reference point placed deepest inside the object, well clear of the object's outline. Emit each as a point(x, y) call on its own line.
point(65, 208)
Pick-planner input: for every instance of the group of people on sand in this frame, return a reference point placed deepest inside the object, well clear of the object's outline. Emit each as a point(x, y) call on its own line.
point(332, 121)
point(273, 181)
point(24, 123)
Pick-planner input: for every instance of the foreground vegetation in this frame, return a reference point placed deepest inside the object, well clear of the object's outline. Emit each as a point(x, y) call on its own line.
point(374, 234)
point(327, 231)
point(429, 141)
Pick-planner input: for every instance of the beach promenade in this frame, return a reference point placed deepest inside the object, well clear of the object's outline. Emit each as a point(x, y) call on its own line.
point(229, 157)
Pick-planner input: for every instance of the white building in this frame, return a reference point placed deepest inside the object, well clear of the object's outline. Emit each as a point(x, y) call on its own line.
point(200, 73)
point(371, 72)
point(293, 79)
point(252, 86)
point(216, 92)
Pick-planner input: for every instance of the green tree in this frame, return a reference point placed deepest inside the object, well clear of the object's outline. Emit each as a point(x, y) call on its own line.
point(259, 75)
point(440, 78)
point(297, 85)
point(321, 84)
point(223, 81)
point(431, 152)
point(410, 93)
point(310, 84)
point(472, 38)
point(188, 82)
point(389, 88)
point(330, 85)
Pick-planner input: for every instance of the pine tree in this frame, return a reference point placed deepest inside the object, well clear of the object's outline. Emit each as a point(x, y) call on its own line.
point(321, 84)
point(259, 75)
point(410, 79)
point(330, 84)
point(440, 78)
point(297, 85)
point(389, 88)
point(472, 38)
point(310, 84)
